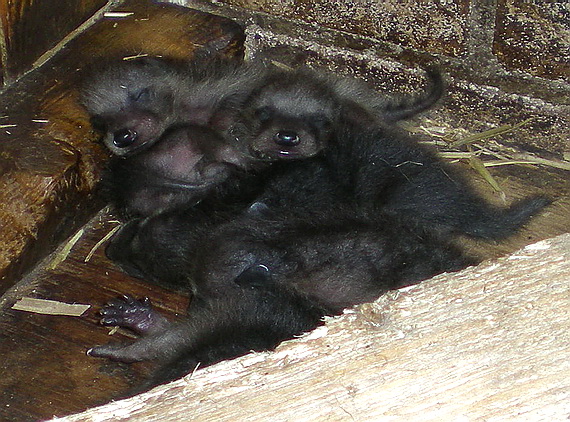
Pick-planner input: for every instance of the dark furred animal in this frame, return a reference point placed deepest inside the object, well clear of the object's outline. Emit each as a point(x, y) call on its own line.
point(268, 275)
point(301, 114)
point(264, 273)
point(383, 167)
point(360, 213)
point(163, 117)
point(295, 114)
point(165, 120)
point(134, 102)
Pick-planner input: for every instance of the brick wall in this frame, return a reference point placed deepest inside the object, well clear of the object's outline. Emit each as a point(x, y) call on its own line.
point(506, 61)
point(484, 39)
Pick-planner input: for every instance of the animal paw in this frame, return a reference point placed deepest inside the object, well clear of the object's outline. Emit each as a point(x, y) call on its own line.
point(128, 312)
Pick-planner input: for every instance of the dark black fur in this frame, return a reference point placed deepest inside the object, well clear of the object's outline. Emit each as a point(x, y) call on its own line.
point(383, 167)
point(267, 276)
point(380, 165)
point(296, 114)
point(165, 121)
point(186, 164)
point(361, 213)
point(302, 250)
point(135, 102)
point(164, 117)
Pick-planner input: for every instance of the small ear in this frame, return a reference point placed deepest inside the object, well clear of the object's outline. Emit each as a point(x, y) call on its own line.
point(258, 208)
point(320, 122)
point(264, 114)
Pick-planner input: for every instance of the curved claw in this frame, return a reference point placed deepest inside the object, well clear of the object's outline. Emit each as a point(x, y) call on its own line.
point(128, 298)
point(110, 321)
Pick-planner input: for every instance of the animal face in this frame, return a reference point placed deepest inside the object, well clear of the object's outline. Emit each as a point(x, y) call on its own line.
point(290, 116)
point(131, 103)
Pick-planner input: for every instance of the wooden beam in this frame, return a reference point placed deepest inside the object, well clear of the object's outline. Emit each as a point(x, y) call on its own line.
point(489, 343)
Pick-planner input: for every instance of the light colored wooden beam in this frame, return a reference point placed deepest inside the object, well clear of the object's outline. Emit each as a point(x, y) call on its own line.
point(490, 343)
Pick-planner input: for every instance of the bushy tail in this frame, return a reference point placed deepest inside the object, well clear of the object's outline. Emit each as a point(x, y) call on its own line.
point(408, 107)
point(508, 221)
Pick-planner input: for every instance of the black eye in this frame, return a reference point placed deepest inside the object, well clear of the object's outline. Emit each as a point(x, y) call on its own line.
point(286, 138)
point(264, 114)
point(124, 138)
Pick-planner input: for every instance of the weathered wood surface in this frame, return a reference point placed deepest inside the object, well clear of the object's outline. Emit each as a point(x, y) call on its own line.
point(44, 370)
point(30, 28)
point(490, 343)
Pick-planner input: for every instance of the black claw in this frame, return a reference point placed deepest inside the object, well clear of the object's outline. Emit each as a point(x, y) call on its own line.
point(114, 303)
point(103, 311)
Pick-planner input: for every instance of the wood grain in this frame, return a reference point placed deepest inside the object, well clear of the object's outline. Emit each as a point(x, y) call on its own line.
point(488, 343)
point(30, 28)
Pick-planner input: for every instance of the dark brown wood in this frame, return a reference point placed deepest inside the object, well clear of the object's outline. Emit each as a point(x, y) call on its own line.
point(30, 28)
point(45, 370)
point(50, 159)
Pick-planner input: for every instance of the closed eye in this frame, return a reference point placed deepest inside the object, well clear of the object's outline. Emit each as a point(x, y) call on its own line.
point(140, 96)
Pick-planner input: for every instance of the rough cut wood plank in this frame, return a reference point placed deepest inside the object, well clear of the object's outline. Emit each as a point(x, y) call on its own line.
point(44, 371)
point(488, 343)
point(30, 28)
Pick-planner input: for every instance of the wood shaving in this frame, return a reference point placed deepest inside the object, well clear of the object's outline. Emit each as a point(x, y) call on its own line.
point(49, 307)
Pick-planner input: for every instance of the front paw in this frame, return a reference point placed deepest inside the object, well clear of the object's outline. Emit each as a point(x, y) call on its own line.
point(128, 312)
